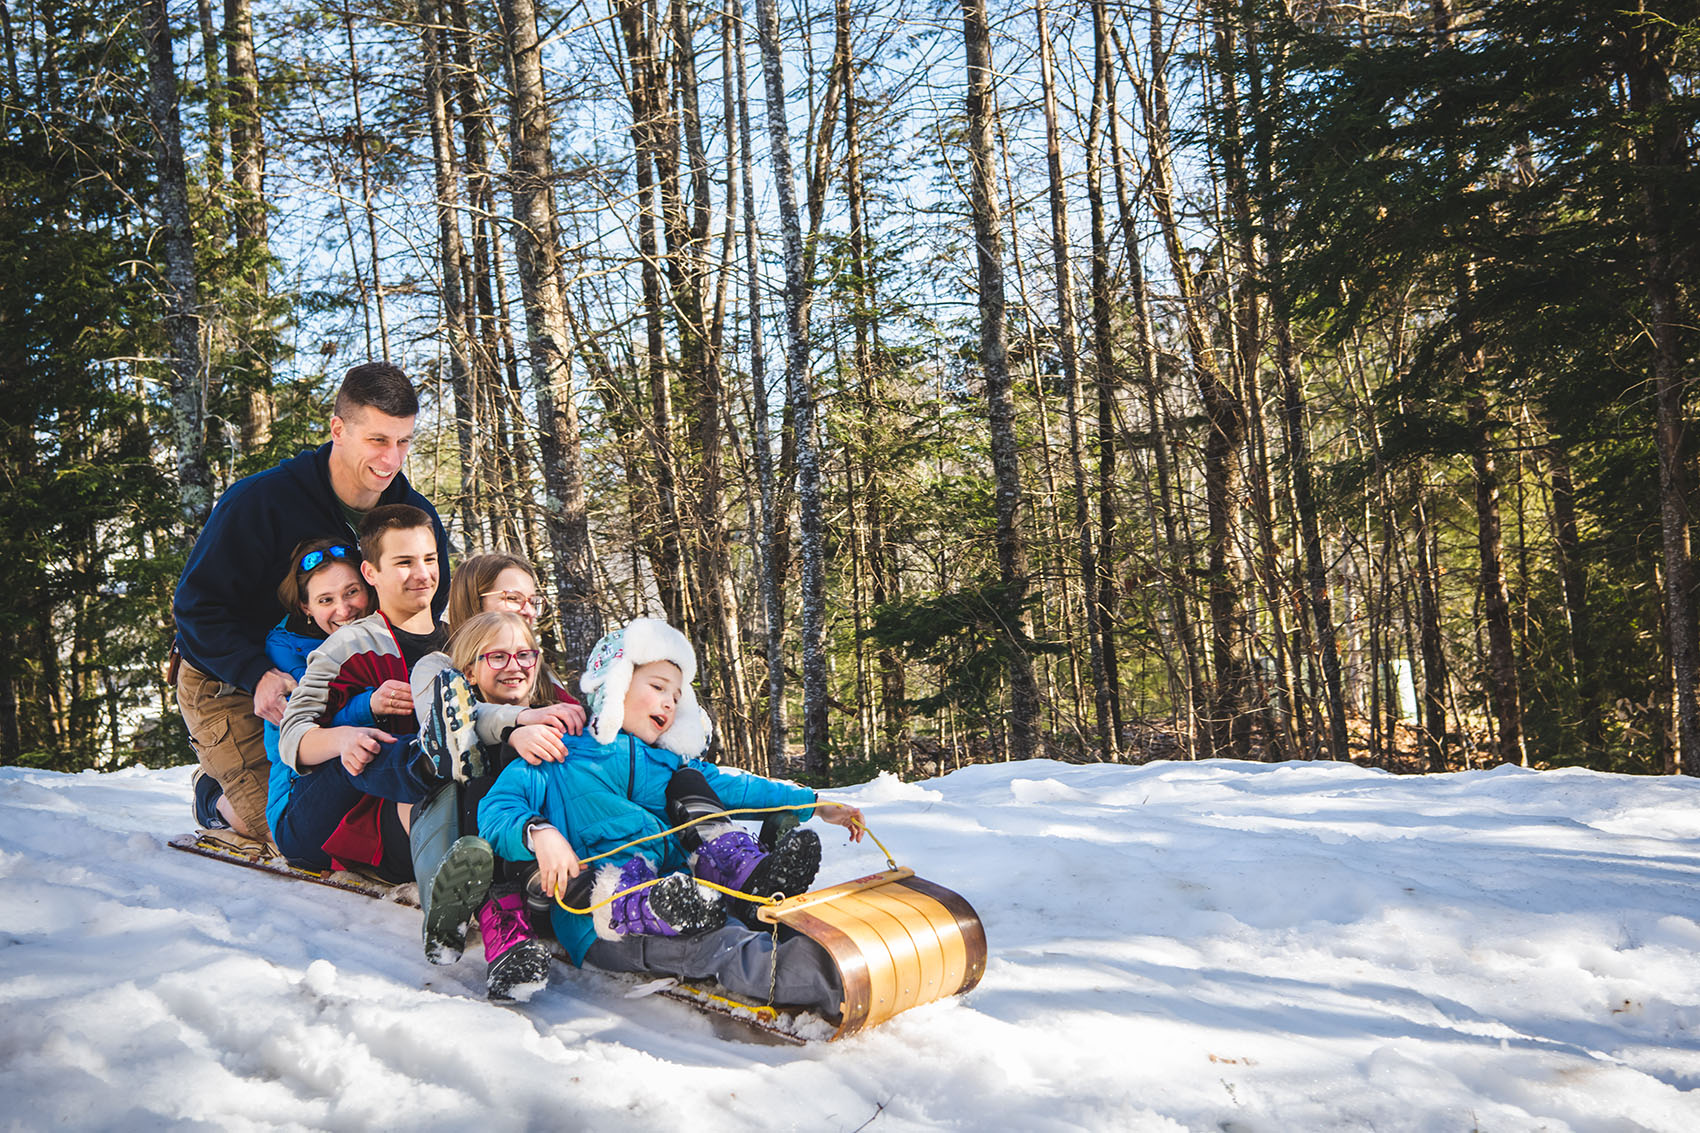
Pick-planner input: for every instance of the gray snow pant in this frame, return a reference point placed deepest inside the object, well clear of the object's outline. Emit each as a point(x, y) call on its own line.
point(436, 825)
point(740, 959)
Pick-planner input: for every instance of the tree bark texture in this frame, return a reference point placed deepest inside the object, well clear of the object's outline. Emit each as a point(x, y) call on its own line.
point(1069, 343)
point(249, 225)
point(994, 363)
point(182, 319)
point(531, 173)
point(1227, 725)
point(800, 388)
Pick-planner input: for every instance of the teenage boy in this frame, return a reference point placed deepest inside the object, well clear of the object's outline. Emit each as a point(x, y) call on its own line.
point(226, 599)
point(339, 768)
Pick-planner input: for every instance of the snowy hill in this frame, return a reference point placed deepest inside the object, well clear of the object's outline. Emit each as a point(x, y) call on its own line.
point(1177, 946)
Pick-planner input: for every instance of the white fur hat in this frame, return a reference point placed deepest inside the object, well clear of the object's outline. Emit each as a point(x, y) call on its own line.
point(608, 675)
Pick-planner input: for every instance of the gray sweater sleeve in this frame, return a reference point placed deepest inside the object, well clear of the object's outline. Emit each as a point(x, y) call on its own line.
point(306, 704)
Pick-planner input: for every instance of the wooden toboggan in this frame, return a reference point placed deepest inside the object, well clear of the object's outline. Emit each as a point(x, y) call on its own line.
point(898, 941)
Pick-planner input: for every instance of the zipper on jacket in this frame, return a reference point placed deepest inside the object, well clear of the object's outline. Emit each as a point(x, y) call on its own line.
point(631, 770)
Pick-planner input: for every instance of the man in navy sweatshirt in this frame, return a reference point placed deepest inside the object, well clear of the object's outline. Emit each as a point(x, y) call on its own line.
point(226, 600)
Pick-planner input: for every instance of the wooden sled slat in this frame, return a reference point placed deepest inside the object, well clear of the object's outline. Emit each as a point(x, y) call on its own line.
point(905, 931)
point(968, 928)
point(777, 911)
point(941, 967)
point(898, 941)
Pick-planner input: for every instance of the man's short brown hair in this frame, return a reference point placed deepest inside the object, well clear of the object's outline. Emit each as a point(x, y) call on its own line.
point(381, 386)
point(380, 521)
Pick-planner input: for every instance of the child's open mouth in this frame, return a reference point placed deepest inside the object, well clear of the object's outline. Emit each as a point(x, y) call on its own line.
point(659, 721)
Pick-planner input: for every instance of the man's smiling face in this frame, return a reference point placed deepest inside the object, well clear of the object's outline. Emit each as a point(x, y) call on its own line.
point(367, 450)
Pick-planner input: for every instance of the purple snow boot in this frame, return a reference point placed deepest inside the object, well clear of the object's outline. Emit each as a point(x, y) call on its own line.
point(735, 860)
point(518, 964)
point(673, 906)
point(728, 859)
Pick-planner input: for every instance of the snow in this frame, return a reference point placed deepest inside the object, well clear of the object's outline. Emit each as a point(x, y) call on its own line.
point(1199, 946)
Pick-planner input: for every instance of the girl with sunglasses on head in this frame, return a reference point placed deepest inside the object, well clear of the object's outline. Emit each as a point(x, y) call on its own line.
point(498, 581)
point(322, 592)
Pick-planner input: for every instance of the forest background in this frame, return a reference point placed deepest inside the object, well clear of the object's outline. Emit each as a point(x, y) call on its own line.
point(1263, 378)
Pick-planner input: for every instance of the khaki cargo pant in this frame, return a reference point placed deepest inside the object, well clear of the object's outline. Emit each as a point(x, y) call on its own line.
point(229, 740)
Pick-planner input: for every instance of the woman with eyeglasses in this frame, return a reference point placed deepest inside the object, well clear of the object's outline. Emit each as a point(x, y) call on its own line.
point(498, 581)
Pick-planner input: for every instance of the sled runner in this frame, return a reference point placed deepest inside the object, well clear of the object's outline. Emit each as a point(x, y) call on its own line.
point(237, 850)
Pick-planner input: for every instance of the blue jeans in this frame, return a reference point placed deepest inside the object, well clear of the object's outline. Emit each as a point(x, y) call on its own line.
point(322, 795)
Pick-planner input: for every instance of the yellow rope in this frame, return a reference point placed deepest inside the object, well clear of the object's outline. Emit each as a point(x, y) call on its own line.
point(753, 898)
point(695, 821)
point(642, 885)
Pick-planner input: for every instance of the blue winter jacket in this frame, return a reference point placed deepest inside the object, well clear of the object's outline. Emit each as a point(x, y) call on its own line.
point(603, 796)
point(227, 596)
point(287, 649)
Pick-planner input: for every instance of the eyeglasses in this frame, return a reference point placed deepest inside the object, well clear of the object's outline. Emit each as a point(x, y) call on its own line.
point(311, 560)
point(516, 601)
point(498, 658)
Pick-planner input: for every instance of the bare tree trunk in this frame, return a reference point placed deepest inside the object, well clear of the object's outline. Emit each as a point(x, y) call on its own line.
point(800, 386)
point(646, 83)
point(1310, 530)
point(530, 168)
point(1659, 151)
point(1428, 614)
point(214, 160)
point(1296, 436)
point(1242, 262)
point(501, 480)
point(1496, 603)
point(994, 361)
point(182, 319)
point(700, 322)
point(882, 555)
point(360, 152)
point(1177, 556)
point(1101, 621)
point(1573, 577)
point(248, 163)
point(1503, 686)
point(1071, 376)
point(453, 257)
point(1228, 725)
point(772, 581)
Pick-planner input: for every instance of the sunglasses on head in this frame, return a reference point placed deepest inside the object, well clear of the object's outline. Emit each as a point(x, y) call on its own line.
point(312, 559)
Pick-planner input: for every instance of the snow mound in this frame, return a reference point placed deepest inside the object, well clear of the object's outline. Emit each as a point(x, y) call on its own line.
point(1178, 946)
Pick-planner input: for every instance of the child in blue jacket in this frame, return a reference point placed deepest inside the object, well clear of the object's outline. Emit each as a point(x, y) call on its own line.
point(620, 783)
point(323, 592)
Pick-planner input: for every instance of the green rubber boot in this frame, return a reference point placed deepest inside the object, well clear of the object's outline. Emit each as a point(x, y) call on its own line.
point(454, 874)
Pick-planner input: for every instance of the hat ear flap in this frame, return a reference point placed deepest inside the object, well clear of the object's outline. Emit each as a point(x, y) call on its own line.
point(690, 731)
point(611, 700)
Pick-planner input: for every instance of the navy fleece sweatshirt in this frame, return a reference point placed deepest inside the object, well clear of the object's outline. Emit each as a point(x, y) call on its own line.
point(226, 601)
